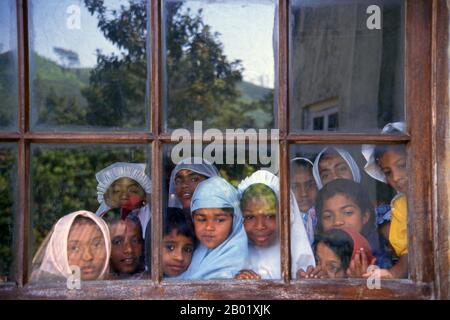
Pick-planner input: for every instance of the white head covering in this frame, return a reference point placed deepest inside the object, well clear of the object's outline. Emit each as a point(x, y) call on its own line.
point(347, 158)
point(368, 150)
point(107, 176)
point(195, 164)
point(228, 258)
point(265, 261)
point(55, 260)
point(299, 159)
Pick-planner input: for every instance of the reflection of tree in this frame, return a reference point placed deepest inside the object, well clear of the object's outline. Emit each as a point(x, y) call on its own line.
point(201, 81)
point(117, 89)
point(8, 88)
point(7, 167)
point(68, 58)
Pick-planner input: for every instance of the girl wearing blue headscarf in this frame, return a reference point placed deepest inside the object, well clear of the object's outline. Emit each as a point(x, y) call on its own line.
point(222, 248)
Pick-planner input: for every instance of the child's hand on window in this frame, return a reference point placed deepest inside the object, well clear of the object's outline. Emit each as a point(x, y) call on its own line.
point(312, 273)
point(359, 264)
point(383, 274)
point(247, 275)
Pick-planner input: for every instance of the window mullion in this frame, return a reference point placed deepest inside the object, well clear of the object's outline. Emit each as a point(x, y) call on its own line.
point(22, 219)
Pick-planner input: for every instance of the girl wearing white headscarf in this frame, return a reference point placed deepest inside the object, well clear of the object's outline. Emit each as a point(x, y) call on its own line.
point(228, 258)
point(265, 261)
point(134, 171)
point(51, 262)
point(195, 164)
point(345, 156)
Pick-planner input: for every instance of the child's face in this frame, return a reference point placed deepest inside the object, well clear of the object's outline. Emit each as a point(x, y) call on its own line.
point(305, 188)
point(393, 165)
point(260, 222)
point(185, 183)
point(332, 167)
point(340, 211)
point(329, 261)
point(86, 249)
point(177, 253)
point(212, 226)
point(122, 191)
point(126, 246)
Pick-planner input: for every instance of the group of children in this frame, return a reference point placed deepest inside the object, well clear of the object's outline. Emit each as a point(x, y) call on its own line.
point(212, 230)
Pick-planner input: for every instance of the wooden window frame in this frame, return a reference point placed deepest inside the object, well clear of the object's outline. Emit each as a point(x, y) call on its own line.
point(426, 70)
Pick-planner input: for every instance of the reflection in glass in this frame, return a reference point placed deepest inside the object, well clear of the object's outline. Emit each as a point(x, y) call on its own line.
point(205, 187)
point(219, 63)
point(8, 66)
point(8, 185)
point(361, 189)
point(88, 65)
point(346, 64)
point(68, 179)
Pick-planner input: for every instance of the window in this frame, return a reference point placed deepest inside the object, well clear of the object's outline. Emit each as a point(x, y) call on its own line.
point(59, 131)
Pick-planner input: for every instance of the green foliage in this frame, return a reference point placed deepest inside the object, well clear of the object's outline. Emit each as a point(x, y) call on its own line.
point(7, 169)
point(56, 94)
point(117, 88)
point(8, 89)
point(63, 181)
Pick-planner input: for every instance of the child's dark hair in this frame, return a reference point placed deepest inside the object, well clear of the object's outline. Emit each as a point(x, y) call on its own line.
point(301, 163)
point(259, 191)
point(355, 192)
point(175, 219)
point(80, 220)
point(381, 149)
point(113, 216)
point(339, 242)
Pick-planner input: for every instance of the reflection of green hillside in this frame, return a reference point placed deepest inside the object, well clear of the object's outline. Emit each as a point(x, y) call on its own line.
point(251, 91)
point(59, 99)
point(8, 89)
point(56, 97)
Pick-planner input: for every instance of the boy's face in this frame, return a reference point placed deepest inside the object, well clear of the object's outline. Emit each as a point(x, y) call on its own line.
point(260, 222)
point(340, 211)
point(393, 165)
point(332, 167)
point(86, 249)
point(126, 246)
point(329, 261)
point(122, 192)
point(177, 253)
point(304, 188)
point(185, 183)
point(212, 226)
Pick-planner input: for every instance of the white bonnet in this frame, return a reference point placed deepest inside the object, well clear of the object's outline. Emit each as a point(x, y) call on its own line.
point(368, 150)
point(135, 171)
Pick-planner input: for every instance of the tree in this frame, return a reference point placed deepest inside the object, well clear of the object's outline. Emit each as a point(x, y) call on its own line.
point(201, 81)
point(68, 58)
point(118, 85)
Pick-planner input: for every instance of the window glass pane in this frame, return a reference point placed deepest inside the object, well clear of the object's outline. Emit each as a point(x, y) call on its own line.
point(219, 63)
point(109, 180)
point(8, 187)
point(244, 247)
point(353, 195)
point(88, 64)
point(346, 64)
point(8, 66)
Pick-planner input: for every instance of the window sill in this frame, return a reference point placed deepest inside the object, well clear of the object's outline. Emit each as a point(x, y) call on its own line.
point(223, 290)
